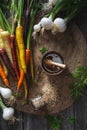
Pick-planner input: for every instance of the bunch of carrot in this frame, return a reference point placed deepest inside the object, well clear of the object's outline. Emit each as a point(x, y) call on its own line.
point(15, 39)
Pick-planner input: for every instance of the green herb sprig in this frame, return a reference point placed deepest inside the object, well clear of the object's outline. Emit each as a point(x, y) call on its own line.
point(71, 120)
point(54, 122)
point(43, 50)
point(78, 86)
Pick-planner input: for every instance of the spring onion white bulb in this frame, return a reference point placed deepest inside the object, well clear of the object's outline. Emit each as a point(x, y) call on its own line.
point(46, 23)
point(37, 27)
point(60, 24)
point(8, 113)
point(6, 92)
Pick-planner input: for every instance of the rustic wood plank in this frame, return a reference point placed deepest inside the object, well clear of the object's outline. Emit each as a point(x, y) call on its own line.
point(32, 122)
point(66, 115)
point(80, 109)
point(18, 125)
point(35, 122)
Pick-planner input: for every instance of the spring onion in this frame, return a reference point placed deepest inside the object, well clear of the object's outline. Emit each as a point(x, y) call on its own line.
point(70, 8)
point(5, 92)
point(8, 112)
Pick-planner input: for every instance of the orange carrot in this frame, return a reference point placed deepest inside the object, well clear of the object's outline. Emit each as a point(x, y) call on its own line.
point(21, 79)
point(24, 79)
point(27, 56)
point(3, 76)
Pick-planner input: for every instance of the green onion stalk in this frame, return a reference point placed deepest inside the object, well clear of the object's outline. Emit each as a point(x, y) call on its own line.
point(19, 10)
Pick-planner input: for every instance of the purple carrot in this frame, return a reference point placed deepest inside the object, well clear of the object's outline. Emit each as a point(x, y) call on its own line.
point(26, 25)
point(14, 56)
point(26, 21)
point(7, 62)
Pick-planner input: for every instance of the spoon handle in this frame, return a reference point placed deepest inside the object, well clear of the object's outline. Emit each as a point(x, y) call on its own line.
point(50, 62)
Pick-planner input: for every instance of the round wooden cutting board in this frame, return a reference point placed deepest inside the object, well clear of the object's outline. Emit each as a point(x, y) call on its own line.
point(73, 47)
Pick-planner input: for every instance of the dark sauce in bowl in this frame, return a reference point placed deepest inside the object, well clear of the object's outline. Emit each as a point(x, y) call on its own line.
point(56, 57)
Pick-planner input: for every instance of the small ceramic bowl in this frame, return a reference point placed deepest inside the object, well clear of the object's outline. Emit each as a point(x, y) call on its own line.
point(55, 57)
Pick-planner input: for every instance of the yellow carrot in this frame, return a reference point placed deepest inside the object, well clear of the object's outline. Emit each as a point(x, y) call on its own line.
point(5, 37)
point(1, 42)
point(21, 48)
point(23, 78)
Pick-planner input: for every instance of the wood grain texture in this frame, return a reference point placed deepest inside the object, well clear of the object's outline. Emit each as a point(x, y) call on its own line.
point(80, 112)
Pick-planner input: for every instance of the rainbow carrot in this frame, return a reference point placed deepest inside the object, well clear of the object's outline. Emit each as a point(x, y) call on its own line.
point(5, 58)
point(27, 56)
point(21, 79)
point(7, 62)
point(5, 37)
point(3, 76)
point(14, 56)
point(4, 66)
point(20, 44)
point(35, 6)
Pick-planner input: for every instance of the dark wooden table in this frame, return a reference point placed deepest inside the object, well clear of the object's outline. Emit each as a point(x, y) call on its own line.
point(78, 109)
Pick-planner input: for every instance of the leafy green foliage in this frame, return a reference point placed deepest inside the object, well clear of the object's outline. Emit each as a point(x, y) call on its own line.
point(43, 50)
point(54, 122)
point(17, 95)
point(71, 120)
point(81, 81)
